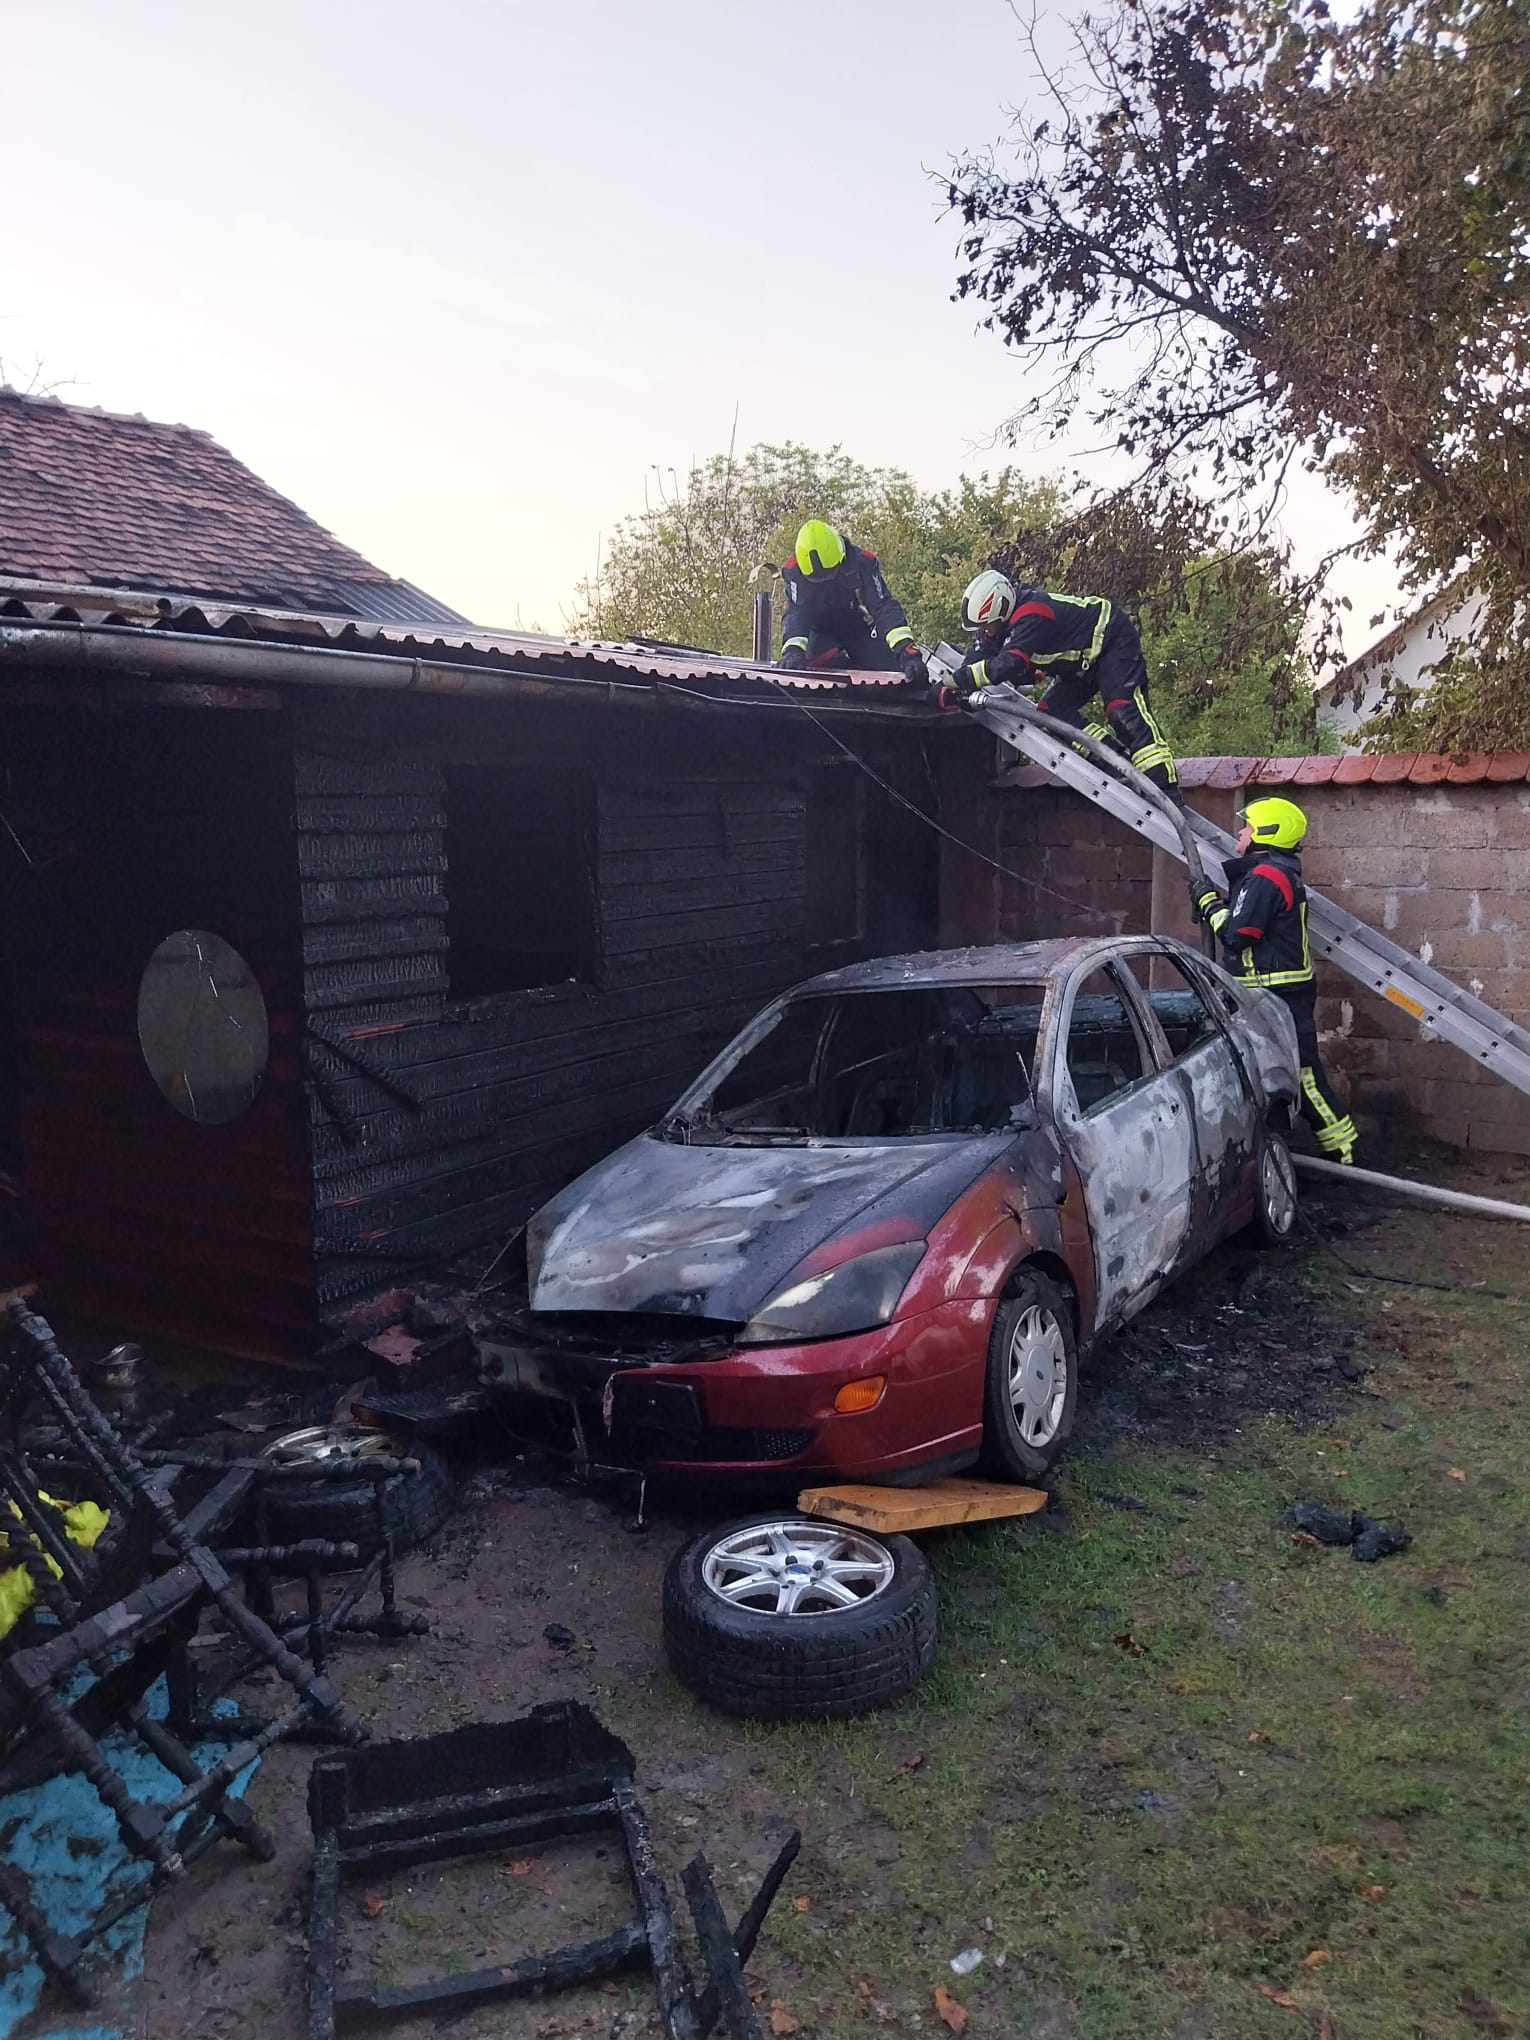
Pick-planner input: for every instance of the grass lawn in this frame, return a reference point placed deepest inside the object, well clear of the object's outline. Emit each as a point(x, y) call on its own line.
point(1179, 1775)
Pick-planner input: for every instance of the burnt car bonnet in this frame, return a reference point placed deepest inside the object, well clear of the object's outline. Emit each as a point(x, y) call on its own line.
point(714, 1231)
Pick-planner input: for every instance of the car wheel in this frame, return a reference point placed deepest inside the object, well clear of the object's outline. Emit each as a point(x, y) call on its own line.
point(1278, 1204)
point(343, 1511)
point(1032, 1380)
point(792, 1618)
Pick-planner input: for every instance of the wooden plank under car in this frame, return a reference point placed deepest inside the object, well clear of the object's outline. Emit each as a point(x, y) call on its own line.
point(942, 1502)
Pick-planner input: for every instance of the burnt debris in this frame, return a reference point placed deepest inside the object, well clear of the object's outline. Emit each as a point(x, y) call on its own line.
point(1368, 1540)
point(554, 1773)
point(123, 1613)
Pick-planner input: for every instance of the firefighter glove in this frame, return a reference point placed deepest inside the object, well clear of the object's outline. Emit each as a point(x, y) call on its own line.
point(944, 695)
point(793, 659)
point(1204, 900)
point(913, 662)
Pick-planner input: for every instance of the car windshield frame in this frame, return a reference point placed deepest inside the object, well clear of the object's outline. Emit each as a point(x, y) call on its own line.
point(695, 1117)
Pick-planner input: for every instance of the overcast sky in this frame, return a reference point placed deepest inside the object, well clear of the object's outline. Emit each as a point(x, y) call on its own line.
point(458, 276)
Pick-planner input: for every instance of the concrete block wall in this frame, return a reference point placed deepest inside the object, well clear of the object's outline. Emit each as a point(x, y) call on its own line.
point(1435, 854)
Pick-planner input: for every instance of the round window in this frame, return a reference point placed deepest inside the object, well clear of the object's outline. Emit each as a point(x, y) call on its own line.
point(202, 1026)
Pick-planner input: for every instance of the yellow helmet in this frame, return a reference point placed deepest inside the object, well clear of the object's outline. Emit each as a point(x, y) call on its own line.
point(820, 550)
point(1279, 823)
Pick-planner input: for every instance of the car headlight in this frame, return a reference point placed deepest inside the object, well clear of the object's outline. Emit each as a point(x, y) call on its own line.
point(850, 1298)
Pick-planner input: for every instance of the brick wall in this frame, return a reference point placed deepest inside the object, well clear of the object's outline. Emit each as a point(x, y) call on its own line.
point(1438, 859)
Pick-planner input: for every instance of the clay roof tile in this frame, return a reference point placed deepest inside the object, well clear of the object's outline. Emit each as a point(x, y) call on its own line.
point(100, 499)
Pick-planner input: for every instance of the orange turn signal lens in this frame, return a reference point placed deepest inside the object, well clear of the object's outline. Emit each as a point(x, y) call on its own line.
point(860, 1395)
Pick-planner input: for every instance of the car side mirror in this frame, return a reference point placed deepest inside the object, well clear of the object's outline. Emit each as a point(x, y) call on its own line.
point(1024, 1118)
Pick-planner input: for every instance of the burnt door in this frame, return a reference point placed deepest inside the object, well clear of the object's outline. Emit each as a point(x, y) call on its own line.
point(1132, 1140)
point(156, 1004)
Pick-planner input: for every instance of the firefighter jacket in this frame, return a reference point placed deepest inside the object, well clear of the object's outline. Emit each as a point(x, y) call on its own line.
point(1263, 926)
point(1048, 634)
point(856, 597)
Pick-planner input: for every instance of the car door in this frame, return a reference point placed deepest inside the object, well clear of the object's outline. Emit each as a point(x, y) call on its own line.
point(1192, 1041)
point(1126, 1124)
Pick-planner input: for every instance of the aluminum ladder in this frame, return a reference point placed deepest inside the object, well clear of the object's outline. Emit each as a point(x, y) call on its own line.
point(1395, 974)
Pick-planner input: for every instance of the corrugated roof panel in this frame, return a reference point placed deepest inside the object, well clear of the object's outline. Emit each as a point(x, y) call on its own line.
point(397, 602)
point(517, 651)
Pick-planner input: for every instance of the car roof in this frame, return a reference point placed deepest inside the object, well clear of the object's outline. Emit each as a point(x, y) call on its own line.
point(997, 963)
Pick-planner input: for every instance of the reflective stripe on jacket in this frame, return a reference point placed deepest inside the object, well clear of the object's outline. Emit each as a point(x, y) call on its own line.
point(1263, 927)
point(1048, 632)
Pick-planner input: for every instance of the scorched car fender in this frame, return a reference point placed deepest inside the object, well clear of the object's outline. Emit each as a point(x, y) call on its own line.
point(1030, 1204)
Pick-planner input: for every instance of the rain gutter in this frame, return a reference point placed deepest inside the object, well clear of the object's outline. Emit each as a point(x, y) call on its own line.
point(128, 652)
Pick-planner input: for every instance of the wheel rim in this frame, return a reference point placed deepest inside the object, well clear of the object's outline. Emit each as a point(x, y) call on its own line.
point(1277, 1184)
point(1038, 1375)
point(797, 1567)
point(325, 1444)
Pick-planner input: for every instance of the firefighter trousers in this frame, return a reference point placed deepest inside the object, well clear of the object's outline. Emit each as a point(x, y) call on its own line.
point(1119, 677)
point(1332, 1125)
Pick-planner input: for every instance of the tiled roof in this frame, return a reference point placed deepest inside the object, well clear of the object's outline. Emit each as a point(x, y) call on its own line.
point(95, 499)
point(1419, 768)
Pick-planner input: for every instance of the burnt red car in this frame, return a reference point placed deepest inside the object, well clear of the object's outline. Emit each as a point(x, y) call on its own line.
point(873, 1238)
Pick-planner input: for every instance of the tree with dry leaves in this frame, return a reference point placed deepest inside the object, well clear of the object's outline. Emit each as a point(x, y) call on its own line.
point(1247, 235)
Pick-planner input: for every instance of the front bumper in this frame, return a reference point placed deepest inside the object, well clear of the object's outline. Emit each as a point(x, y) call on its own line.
point(761, 1410)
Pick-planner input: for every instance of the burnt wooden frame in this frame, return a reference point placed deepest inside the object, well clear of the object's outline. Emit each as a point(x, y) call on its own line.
point(554, 1773)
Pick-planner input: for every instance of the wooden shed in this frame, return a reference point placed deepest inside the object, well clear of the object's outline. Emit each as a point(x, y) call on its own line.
point(331, 948)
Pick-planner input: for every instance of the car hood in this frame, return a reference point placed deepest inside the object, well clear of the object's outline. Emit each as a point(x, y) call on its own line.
point(714, 1231)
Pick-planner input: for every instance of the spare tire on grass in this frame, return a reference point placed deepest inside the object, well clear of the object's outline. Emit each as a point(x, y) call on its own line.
point(792, 1618)
point(414, 1505)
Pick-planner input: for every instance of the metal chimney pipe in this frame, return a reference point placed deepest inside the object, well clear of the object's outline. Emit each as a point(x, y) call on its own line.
point(763, 626)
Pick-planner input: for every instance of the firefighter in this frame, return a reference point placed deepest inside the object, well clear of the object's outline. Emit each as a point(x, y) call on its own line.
point(839, 610)
point(1073, 647)
point(1262, 926)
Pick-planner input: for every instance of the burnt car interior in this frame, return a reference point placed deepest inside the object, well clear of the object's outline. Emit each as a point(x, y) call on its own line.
point(1106, 1054)
point(888, 1065)
point(1178, 1001)
point(883, 1065)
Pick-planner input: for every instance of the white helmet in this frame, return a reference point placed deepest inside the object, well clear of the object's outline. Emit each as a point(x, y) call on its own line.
point(988, 600)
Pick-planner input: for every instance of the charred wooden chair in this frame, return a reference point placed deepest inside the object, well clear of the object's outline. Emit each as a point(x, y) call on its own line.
point(107, 1624)
point(496, 1786)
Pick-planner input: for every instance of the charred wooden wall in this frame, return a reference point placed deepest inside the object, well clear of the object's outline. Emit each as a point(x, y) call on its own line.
point(139, 822)
point(438, 1123)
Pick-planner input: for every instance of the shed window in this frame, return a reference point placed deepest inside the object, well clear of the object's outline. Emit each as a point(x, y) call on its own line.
point(520, 879)
point(834, 875)
point(203, 1027)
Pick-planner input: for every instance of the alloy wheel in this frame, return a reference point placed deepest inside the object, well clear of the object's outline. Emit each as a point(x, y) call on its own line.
point(797, 1566)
